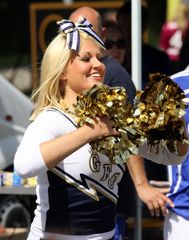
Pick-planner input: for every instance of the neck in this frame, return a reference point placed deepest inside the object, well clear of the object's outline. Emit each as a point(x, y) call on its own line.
point(67, 105)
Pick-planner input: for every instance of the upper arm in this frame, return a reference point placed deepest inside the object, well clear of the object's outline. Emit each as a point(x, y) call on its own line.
point(28, 160)
point(160, 154)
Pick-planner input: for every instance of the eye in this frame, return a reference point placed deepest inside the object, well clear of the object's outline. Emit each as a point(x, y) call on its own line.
point(85, 59)
point(100, 58)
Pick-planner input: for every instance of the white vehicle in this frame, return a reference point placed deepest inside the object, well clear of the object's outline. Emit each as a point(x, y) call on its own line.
point(15, 110)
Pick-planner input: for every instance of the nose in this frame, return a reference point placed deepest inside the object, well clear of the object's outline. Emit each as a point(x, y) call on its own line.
point(98, 64)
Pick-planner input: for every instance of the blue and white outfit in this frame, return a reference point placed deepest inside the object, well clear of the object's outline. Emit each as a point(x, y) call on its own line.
point(177, 221)
point(76, 200)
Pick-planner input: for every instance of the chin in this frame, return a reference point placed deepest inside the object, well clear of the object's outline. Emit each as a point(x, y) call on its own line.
point(97, 83)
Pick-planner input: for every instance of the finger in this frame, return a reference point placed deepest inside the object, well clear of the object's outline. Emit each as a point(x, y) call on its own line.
point(171, 204)
point(96, 120)
point(115, 132)
point(157, 208)
point(169, 201)
point(166, 199)
point(162, 203)
point(162, 206)
point(164, 190)
point(164, 210)
point(151, 209)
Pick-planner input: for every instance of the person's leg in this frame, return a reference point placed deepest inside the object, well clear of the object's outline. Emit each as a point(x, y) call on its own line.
point(175, 227)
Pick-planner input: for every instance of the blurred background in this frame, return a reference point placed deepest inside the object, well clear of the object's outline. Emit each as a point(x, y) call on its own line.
point(17, 36)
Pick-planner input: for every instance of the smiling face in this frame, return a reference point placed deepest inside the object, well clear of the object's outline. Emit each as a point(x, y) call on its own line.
point(84, 70)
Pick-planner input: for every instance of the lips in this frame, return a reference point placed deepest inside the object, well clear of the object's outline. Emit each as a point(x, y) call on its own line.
point(96, 75)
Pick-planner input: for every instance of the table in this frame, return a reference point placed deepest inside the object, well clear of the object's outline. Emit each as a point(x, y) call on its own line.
point(22, 190)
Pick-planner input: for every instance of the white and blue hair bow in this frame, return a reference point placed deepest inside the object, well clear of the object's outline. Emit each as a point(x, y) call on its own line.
point(72, 31)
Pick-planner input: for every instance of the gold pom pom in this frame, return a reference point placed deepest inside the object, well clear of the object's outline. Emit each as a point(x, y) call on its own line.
point(111, 101)
point(160, 109)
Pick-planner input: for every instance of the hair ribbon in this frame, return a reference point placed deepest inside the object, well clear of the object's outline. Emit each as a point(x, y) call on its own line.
point(72, 29)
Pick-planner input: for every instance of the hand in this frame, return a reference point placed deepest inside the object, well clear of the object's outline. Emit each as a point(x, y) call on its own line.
point(155, 199)
point(102, 127)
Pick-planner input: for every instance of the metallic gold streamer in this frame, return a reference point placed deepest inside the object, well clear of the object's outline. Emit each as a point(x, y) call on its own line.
point(111, 101)
point(157, 114)
point(160, 109)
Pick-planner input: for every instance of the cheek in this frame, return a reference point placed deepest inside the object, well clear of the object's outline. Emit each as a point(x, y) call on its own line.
point(81, 69)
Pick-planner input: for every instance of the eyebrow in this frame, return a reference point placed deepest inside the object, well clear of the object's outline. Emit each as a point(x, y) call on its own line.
point(89, 53)
point(84, 53)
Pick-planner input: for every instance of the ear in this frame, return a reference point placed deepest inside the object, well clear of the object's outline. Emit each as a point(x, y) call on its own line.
point(63, 76)
point(103, 32)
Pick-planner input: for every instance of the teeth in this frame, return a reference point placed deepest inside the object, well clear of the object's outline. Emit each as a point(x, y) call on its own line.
point(96, 75)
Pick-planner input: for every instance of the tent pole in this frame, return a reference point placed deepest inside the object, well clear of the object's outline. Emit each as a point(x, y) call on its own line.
point(136, 77)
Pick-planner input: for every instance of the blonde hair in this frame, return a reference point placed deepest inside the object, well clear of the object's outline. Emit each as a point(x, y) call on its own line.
point(55, 59)
point(50, 91)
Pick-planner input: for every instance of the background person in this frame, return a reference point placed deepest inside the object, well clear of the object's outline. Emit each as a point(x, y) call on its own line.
point(173, 32)
point(176, 224)
point(114, 41)
point(109, 15)
point(153, 59)
point(184, 54)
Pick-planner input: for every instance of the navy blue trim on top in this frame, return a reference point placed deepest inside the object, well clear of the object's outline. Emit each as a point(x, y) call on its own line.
point(58, 111)
point(84, 177)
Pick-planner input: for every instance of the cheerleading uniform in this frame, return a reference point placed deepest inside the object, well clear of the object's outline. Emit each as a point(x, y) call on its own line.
point(76, 199)
point(177, 221)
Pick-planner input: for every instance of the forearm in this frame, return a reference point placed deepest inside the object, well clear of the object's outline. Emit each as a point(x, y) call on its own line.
point(152, 197)
point(56, 150)
point(137, 171)
point(33, 158)
point(46, 144)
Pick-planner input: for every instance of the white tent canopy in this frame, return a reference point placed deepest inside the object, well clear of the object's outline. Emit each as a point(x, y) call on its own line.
point(15, 110)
